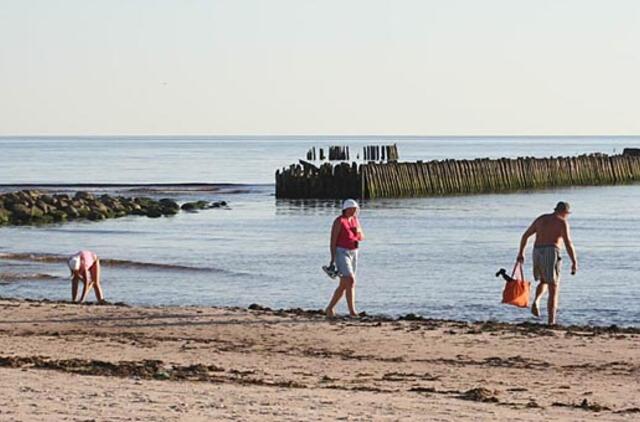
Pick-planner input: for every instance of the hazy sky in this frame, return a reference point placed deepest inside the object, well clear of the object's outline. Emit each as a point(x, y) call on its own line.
point(425, 67)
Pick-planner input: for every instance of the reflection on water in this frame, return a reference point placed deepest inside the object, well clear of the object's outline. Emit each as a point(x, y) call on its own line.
point(307, 206)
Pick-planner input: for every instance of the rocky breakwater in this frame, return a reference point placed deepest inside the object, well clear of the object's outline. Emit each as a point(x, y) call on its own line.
point(36, 207)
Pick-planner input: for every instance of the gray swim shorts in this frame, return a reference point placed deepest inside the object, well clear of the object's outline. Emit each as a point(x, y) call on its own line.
point(346, 262)
point(546, 264)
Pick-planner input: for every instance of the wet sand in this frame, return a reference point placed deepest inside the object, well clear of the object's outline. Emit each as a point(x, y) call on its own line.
point(60, 361)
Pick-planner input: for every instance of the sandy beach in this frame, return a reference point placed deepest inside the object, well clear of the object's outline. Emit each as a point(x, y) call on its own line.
point(60, 361)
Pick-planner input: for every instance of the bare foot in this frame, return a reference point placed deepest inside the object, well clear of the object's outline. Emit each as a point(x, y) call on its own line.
point(535, 310)
point(330, 313)
point(356, 315)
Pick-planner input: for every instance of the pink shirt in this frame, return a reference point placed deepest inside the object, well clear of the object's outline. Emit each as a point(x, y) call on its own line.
point(348, 237)
point(87, 259)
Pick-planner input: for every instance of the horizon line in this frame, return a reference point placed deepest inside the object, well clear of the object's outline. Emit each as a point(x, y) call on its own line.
point(304, 136)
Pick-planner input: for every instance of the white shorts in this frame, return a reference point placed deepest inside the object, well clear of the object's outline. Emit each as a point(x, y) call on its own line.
point(346, 262)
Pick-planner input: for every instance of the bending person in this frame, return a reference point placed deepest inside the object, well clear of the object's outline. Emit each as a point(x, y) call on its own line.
point(550, 230)
point(85, 267)
point(346, 233)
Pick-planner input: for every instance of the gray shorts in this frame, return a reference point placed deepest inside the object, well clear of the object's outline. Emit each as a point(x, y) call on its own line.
point(546, 264)
point(346, 262)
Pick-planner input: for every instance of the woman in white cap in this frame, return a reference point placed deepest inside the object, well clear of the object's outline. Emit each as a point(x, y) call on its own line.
point(346, 233)
point(85, 267)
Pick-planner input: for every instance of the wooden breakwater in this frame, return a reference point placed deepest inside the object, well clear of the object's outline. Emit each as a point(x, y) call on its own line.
point(450, 177)
point(342, 153)
point(304, 180)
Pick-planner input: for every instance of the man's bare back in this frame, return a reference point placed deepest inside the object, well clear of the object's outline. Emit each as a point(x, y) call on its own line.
point(550, 229)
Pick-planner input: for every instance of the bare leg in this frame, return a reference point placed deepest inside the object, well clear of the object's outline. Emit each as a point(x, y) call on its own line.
point(540, 290)
point(86, 288)
point(337, 295)
point(74, 288)
point(350, 291)
point(552, 304)
point(95, 275)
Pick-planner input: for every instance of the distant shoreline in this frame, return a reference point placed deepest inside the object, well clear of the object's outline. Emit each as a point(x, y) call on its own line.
point(307, 137)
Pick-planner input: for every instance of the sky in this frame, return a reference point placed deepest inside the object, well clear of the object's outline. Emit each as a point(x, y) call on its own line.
point(319, 67)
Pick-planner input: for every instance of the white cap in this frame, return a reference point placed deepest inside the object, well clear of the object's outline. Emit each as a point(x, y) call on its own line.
point(349, 203)
point(74, 263)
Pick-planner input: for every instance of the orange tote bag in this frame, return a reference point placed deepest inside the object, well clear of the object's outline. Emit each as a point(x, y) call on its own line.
point(517, 292)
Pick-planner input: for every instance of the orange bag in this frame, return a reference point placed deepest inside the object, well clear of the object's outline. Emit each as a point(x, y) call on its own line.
point(517, 292)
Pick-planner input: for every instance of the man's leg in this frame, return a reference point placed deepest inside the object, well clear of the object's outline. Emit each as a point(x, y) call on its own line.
point(540, 290)
point(351, 296)
point(337, 295)
point(552, 303)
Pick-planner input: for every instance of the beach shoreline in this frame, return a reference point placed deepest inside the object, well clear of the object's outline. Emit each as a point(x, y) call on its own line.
point(120, 362)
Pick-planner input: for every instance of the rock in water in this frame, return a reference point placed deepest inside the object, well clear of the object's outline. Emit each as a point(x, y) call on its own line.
point(154, 212)
point(5, 216)
point(37, 213)
point(169, 206)
point(188, 206)
point(21, 214)
point(85, 196)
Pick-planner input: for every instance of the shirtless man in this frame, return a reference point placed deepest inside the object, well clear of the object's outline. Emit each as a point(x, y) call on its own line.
point(549, 229)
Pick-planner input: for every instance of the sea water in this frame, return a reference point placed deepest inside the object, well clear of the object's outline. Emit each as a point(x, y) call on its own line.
point(431, 256)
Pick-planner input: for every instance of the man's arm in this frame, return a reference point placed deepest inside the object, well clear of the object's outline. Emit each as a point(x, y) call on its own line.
point(568, 243)
point(335, 231)
point(525, 238)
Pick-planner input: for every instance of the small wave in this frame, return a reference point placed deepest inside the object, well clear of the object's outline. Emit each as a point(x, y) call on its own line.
point(112, 262)
point(33, 257)
point(173, 189)
point(153, 265)
point(6, 278)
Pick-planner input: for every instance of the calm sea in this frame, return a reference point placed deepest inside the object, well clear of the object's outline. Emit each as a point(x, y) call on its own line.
point(431, 256)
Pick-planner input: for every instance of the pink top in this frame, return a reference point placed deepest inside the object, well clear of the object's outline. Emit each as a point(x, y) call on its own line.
point(348, 237)
point(87, 259)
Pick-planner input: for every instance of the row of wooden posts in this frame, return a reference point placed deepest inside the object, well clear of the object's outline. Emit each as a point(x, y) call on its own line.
point(341, 153)
point(381, 153)
point(451, 177)
point(336, 153)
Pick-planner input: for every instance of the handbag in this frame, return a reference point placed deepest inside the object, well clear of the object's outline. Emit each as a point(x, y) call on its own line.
point(517, 292)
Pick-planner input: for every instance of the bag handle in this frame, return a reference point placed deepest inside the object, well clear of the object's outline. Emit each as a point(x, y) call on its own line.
point(518, 267)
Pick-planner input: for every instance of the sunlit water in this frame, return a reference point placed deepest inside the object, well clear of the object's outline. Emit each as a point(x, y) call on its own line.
point(432, 256)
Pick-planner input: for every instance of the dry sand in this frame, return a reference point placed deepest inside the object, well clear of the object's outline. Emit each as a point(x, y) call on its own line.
point(61, 361)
